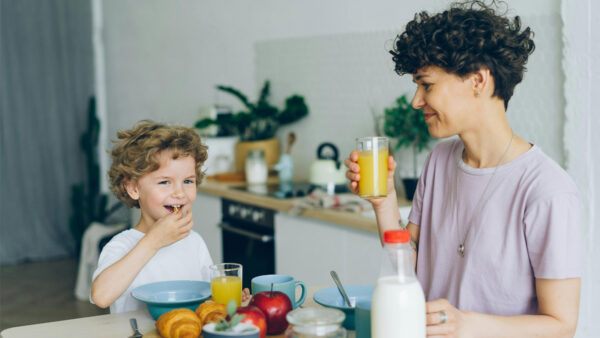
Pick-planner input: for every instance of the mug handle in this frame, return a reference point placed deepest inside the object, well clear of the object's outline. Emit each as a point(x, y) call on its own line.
point(302, 296)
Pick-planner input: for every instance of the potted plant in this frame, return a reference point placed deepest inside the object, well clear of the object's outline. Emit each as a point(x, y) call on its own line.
point(258, 123)
point(407, 126)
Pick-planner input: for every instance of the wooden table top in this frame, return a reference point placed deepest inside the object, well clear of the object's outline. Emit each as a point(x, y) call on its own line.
point(111, 325)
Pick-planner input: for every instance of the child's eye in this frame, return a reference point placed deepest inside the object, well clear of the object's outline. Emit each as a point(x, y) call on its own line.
point(190, 181)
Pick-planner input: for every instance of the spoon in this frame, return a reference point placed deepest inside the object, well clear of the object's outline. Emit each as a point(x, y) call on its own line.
point(336, 279)
point(136, 333)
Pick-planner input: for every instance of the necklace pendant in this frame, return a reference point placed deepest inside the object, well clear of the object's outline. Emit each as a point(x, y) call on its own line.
point(461, 250)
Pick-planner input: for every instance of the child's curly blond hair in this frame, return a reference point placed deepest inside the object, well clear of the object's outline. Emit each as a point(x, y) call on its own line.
point(135, 154)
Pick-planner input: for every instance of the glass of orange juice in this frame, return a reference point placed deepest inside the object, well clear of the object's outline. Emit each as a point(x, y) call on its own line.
point(373, 163)
point(226, 283)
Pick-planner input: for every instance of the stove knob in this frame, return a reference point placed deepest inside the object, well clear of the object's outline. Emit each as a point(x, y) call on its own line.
point(258, 215)
point(244, 212)
point(233, 209)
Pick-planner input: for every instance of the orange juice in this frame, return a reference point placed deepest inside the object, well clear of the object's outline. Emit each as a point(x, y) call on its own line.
point(373, 173)
point(226, 288)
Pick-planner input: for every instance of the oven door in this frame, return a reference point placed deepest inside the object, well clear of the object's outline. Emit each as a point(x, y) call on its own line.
point(250, 245)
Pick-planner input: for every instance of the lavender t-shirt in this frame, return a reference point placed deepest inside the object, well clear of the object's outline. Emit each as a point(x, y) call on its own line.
point(526, 227)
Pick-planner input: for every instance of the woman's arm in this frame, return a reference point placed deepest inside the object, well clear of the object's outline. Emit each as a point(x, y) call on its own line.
point(558, 301)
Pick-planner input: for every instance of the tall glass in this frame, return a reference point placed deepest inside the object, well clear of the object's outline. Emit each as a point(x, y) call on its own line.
point(373, 162)
point(226, 283)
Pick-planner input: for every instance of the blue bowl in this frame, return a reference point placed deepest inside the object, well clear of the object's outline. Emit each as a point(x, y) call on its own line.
point(162, 297)
point(331, 297)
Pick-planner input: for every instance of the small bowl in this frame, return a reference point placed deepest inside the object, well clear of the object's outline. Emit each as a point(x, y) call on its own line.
point(242, 330)
point(331, 297)
point(162, 297)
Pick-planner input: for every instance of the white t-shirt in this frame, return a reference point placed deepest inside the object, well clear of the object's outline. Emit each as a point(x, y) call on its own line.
point(186, 259)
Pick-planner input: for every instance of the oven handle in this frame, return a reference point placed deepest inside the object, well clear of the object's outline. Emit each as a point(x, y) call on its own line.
point(250, 234)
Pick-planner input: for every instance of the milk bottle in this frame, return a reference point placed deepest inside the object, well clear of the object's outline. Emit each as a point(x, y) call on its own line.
point(398, 306)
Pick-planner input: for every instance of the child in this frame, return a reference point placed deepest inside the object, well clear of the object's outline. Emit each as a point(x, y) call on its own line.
point(156, 168)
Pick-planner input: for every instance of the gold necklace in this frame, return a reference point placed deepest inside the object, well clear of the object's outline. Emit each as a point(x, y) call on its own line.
point(461, 246)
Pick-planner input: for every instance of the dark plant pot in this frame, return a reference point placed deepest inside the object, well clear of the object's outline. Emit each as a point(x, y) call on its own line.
point(410, 185)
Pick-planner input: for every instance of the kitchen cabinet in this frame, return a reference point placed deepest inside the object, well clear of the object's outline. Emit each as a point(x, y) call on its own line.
point(207, 215)
point(309, 249)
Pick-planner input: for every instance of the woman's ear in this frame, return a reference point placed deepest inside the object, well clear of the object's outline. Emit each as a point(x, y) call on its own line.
point(481, 81)
point(132, 190)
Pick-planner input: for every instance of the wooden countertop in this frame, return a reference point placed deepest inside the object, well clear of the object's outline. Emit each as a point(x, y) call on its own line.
point(346, 218)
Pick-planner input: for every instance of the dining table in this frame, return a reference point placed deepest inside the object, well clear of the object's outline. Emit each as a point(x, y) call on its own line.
point(113, 325)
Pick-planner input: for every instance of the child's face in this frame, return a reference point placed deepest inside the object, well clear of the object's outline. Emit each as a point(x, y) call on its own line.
point(172, 185)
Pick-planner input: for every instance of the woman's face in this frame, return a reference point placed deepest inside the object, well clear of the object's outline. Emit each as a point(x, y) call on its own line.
point(447, 100)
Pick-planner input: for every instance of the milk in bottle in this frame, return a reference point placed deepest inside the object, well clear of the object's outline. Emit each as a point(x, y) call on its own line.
point(398, 305)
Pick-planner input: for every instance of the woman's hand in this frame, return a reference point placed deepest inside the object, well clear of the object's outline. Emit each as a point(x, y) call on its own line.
point(171, 228)
point(444, 320)
point(353, 174)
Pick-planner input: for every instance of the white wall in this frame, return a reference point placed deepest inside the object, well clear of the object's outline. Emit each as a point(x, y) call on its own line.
point(164, 58)
point(581, 64)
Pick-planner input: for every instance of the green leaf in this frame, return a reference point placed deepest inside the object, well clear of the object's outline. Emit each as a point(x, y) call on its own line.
point(231, 307)
point(236, 319)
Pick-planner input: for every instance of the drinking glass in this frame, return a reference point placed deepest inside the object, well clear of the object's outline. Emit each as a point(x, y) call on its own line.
point(226, 283)
point(373, 163)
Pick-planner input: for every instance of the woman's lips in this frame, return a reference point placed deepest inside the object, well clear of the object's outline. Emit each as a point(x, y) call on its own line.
point(428, 116)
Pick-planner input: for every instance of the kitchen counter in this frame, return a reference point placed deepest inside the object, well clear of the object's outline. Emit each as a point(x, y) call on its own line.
point(346, 218)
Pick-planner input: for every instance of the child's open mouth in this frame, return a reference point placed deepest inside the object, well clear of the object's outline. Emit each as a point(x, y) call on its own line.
point(173, 208)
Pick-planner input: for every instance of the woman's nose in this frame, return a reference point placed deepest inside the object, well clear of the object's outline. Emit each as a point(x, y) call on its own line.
point(418, 102)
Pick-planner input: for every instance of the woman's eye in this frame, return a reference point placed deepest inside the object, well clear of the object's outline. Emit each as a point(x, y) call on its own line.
point(163, 182)
point(426, 86)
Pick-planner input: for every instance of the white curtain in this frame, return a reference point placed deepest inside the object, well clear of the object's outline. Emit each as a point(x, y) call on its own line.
point(581, 66)
point(46, 79)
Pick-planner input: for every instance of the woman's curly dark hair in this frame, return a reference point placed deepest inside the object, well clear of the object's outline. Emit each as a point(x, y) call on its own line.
point(463, 39)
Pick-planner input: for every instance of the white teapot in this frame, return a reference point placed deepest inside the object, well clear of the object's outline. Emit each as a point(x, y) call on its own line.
point(327, 170)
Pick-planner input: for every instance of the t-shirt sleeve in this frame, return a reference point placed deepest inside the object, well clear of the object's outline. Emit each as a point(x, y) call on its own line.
point(111, 253)
point(552, 230)
point(417, 203)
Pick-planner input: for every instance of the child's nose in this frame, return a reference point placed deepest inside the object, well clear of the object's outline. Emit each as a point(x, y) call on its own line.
point(178, 191)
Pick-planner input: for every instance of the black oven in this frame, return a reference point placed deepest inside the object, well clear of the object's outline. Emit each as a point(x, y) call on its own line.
point(248, 238)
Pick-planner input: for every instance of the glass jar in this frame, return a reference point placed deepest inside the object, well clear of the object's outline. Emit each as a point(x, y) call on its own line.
point(256, 167)
point(315, 322)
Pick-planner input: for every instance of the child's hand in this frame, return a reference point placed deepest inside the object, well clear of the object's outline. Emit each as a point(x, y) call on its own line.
point(171, 228)
point(353, 174)
point(246, 295)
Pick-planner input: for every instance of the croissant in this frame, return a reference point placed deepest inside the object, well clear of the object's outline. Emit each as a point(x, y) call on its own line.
point(211, 312)
point(179, 323)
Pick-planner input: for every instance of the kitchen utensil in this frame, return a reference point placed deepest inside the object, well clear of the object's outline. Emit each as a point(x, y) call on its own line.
point(327, 170)
point(241, 330)
point(283, 283)
point(290, 141)
point(336, 279)
point(136, 333)
point(161, 297)
point(331, 297)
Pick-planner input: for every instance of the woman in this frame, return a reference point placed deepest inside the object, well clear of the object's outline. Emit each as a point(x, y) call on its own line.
point(494, 221)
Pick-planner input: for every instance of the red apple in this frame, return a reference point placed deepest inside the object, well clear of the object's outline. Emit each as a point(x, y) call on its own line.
point(275, 305)
point(254, 316)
